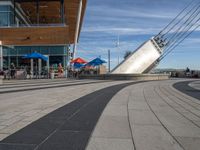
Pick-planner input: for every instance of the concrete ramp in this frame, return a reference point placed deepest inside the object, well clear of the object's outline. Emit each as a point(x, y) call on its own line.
point(143, 60)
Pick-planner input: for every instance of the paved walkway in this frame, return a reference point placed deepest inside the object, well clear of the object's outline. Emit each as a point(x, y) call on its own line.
point(150, 115)
point(18, 109)
point(195, 85)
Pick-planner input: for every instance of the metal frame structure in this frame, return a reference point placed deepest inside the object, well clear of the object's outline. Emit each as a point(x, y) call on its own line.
point(149, 54)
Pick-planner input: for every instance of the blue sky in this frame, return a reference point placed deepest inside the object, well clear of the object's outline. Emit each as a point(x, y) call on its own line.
point(134, 21)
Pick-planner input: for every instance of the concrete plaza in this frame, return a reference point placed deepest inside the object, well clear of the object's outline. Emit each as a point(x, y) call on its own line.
point(109, 115)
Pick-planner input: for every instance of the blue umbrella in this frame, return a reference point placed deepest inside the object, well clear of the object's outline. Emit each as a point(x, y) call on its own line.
point(35, 55)
point(78, 65)
point(96, 62)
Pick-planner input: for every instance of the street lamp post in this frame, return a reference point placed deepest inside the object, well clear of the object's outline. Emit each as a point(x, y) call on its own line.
point(109, 61)
point(117, 45)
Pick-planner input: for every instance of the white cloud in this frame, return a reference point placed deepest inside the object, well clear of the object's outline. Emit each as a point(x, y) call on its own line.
point(130, 12)
point(121, 31)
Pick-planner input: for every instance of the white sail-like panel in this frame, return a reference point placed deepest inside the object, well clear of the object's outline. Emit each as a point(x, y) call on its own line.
point(140, 61)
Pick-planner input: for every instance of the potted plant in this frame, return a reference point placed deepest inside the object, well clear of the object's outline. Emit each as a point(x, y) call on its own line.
point(1, 76)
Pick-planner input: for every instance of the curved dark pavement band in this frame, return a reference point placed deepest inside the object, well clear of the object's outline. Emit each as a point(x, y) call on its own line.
point(48, 87)
point(68, 127)
point(185, 88)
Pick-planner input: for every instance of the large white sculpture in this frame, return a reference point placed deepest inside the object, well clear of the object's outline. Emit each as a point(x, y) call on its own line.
point(140, 61)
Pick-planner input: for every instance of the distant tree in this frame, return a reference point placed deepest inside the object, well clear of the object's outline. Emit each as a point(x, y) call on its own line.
point(127, 53)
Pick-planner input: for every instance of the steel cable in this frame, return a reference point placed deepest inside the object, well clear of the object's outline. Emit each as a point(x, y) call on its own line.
point(182, 36)
point(163, 32)
point(183, 27)
point(172, 48)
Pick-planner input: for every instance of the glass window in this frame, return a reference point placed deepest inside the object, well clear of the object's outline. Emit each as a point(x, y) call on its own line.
point(11, 19)
point(6, 16)
point(13, 52)
point(23, 50)
point(35, 49)
point(45, 50)
point(4, 19)
point(5, 8)
point(5, 51)
point(56, 50)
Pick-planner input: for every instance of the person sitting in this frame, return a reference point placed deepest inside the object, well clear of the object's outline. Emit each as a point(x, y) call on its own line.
point(29, 73)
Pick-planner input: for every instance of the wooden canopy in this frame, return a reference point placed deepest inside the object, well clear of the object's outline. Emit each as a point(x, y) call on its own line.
point(48, 18)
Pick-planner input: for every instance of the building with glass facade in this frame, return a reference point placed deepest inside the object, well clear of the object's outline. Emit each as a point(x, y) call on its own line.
point(49, 27)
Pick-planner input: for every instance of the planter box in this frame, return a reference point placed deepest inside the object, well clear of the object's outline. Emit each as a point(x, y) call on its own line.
point(52, 75)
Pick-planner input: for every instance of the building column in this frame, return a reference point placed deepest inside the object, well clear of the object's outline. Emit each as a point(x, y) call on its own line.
point(39, 68)
point(77, 28)
point(1, 57)
point(66, 60)
point(31, 68)
point(9, 61)
point(17, 58)
point(48, 67)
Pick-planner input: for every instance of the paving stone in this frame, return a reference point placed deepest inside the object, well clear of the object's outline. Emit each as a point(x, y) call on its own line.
point(12, 121)
point(14, 127)
point(181, 109)
point(148, 137)
point(185, 131)
point(16, 147)
point(7, 116)
point(121, 98)
point(185, 105)
point(110, 144)
point(189, 143)
point(33, 118)
point(183, 95)
point(1, 127)
point(191, 116)
point(184, 88)
point(34, 133)
point(66, 140)
point(79, 125)
point(141, 117)
point(138, 105)
point(115, 110)
point(3, 136)
point(112, 127)
point(198, 123)
point(197, 112)
point(30, 113)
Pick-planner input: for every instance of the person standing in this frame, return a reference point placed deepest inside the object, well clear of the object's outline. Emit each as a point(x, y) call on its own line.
point(13, 71)
point(60, 70)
